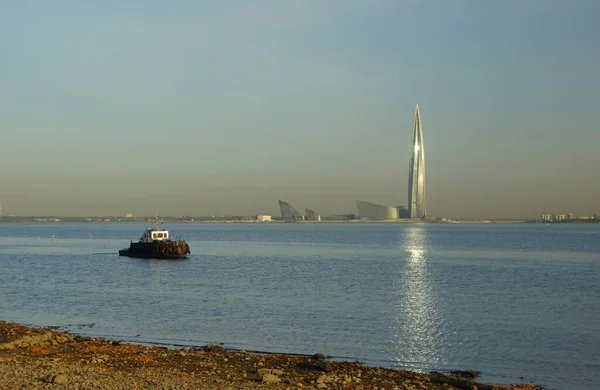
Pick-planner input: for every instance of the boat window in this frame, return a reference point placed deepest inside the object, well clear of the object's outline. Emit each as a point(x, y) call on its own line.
point(160, 235)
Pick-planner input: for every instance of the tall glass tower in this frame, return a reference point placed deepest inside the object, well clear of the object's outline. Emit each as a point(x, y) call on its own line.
point(416, 171)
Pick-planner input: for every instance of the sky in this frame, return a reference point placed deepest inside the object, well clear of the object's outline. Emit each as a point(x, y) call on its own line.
point(190, 107)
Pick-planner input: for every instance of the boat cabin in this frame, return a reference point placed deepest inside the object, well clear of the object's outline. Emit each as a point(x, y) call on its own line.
point(155, 234)
point(152, 235)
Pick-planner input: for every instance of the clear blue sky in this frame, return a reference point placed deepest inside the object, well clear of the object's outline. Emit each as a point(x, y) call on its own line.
point(224, 107)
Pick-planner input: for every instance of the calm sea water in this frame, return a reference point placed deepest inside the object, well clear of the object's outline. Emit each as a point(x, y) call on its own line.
point(518, 302)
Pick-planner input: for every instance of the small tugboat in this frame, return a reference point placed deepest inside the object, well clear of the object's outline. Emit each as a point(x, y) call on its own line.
point(156, 244)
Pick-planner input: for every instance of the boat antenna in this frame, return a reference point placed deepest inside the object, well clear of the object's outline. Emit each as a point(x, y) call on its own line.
point(157, 222)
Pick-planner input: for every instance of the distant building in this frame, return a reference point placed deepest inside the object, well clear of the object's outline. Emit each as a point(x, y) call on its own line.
point(403, 212)
point(129, 215)
point(380, 212)
point(376, 211)
point(416, 171)
point(311, 215)
point(289, 212)
point(416, 208)
point(556, 217)
point(264, 218)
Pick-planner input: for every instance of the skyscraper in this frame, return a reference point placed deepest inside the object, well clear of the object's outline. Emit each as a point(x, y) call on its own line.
point(416, 171)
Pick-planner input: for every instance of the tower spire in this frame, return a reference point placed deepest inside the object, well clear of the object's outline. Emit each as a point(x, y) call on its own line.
point(416, 171)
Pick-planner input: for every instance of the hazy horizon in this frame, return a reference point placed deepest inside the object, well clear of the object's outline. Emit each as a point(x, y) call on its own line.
point(224, 108)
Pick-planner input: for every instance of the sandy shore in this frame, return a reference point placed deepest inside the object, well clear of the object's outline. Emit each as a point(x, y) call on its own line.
point(34, 358)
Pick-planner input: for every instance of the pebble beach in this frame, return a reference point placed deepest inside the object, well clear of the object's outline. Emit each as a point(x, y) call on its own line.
point(38, 358)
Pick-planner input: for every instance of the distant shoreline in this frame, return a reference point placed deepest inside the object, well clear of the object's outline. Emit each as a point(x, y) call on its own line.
point(248, 220)
point(355, 221)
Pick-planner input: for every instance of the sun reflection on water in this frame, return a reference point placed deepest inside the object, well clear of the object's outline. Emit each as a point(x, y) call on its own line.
point(417, 333)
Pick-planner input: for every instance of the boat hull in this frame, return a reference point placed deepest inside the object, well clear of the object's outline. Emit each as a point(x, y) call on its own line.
point(157, 250)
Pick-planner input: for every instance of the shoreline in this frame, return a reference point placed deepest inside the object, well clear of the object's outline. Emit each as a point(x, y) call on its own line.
point(32, 357)
point(353, 221)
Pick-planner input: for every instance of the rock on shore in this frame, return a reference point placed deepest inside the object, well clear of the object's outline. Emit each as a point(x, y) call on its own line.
point(33, 358)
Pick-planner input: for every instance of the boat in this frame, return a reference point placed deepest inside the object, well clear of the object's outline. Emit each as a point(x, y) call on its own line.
point(156, 243)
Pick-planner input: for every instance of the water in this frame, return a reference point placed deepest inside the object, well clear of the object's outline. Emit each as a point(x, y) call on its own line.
point(518, 302)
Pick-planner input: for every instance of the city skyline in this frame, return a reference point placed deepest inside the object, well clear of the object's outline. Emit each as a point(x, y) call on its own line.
point(196, 108)
point(417, 208)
